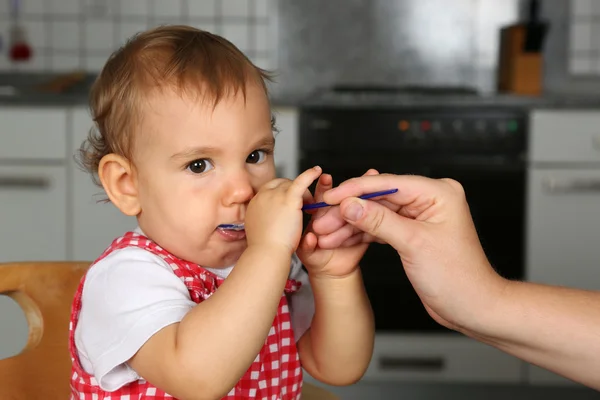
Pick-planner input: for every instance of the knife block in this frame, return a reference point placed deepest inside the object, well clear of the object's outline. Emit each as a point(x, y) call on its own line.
point(519, 72)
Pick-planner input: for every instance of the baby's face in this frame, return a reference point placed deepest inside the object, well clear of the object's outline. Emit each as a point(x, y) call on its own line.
point(198, 167)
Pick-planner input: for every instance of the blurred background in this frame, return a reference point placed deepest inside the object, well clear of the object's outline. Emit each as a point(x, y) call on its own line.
point(503, 95)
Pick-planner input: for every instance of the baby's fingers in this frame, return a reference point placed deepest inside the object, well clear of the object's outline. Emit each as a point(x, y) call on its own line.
point(335, 239)
point(301, 184)
point(354, 240)
point(329, 219)
point(308, 244)
point(324, 184)
point(307, 197)
point(329, 222)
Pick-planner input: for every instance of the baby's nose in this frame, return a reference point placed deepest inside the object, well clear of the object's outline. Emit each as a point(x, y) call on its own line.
point(239, 189)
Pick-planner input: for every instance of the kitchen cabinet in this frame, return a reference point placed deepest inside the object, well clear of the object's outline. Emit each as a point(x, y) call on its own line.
point(33, 214)
point(33, 134)
point(563, 205)
point(440, 358)
point(33, 184)
point(564, 217)
point(95, 223)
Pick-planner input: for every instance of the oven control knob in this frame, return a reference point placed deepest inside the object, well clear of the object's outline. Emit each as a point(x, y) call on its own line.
point(457, 125)
point(320, 124)
point(480, 126)
point(501, 127)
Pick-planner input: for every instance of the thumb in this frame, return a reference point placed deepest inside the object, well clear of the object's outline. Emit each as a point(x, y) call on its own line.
point(380, 222)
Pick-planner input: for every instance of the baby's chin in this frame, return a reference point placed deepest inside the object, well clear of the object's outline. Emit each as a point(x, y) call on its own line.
point(229, 256)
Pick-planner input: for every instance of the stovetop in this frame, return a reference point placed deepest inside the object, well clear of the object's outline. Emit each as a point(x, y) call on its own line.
point(376, 94)
point(409, 96)
point(413, 90)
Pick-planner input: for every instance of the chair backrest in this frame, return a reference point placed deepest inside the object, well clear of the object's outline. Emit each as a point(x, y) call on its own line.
point(45, 291)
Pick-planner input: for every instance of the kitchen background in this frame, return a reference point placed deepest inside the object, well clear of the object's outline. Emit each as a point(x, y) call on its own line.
point(314, 46)
point(384, 41)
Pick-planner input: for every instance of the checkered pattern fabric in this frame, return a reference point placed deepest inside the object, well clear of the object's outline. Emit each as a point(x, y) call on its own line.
point(275, 374)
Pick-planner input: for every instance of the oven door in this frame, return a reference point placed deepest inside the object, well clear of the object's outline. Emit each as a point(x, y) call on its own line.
point(495, 192)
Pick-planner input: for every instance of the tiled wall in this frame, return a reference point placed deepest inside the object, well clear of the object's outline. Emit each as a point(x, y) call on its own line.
point(80, 34)
point(584, 38)
point(73, 34)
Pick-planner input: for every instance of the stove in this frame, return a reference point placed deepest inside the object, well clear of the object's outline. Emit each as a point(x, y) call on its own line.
point(439, 132)
point(428, 131)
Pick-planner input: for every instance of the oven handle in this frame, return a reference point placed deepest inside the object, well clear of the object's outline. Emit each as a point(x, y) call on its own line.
point(554, 186)
point(429, 364)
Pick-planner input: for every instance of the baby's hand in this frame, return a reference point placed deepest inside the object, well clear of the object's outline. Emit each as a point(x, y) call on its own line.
point(330, 246)
point(274, 215)
point(331, 229)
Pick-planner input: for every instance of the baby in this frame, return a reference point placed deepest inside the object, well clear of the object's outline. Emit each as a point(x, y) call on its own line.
point(183, 306)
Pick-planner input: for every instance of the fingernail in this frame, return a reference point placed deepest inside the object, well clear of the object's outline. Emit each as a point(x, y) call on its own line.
point(354, 211)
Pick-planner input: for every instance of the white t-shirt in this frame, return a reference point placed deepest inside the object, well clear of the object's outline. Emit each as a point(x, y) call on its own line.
point(130, 295)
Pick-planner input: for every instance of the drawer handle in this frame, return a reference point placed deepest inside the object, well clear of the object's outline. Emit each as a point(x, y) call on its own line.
point(551, 185)
point(431, 364)
point(22, 182)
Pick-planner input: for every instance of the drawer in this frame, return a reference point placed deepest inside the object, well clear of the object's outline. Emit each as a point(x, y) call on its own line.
point(565, 136)
point(33, 133)
point(563, 201)
point(440, 358)
point(33, 214)
point(542, 377)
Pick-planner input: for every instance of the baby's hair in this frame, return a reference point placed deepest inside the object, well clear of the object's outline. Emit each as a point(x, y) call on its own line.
point(190, 61)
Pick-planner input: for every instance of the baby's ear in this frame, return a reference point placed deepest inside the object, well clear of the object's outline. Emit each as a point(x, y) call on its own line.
point(118, 179)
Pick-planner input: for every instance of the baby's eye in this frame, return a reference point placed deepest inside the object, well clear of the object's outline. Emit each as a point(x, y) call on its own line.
point(256, 157)
point(200, 166)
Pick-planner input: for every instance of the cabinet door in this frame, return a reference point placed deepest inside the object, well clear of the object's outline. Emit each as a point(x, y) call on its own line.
point(439, 358)
point(563, 210)
point(568, 136)
point(33, 211)
point(562, 234)
point(95, 223)
point(33, 133)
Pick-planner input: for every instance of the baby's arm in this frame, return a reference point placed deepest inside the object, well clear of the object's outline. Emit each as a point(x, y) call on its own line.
point(206, 354)
point(137, 320)
point(336, 352)
point(338, 346)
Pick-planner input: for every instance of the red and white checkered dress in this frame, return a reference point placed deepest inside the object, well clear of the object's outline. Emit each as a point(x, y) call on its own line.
point(275, 374)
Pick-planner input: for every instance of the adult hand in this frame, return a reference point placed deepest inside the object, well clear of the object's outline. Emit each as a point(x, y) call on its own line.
point(429, 223)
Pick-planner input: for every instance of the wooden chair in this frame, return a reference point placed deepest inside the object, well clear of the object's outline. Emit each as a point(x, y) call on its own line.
point(44, 290)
